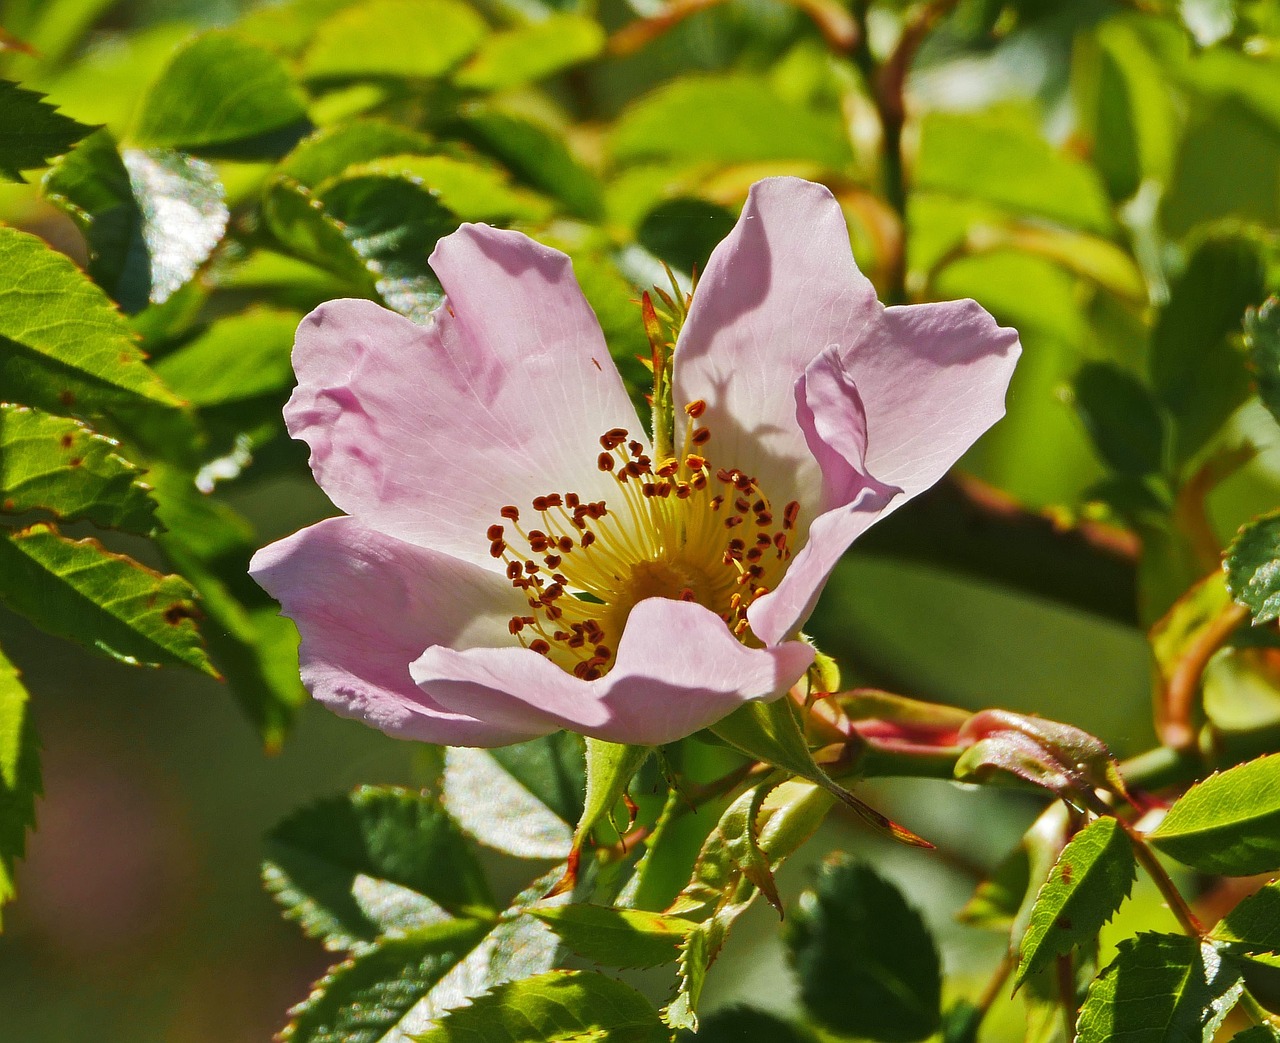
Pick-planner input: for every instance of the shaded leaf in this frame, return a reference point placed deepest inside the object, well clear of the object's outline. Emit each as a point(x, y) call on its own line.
point(683, 232)
point(65, 347)
point(77, 589)
point(473, 191)
point(54, 464)
point(865, 960)
point(617, 937)
point(996, 900)
point(1252, 565)
point(19, 774)
point(746, 1025)
point(531, 52)
point(1254, 924)
point(1159, 988)
point(557, 1007)
point(379, 860)
point(149, 218)
point(32, 131)
point(220, 90)
point(1092, 876)
point(1262, 334)
point(727, 119)
point(410, 39)
point(1122, 418)
point(1229, 823)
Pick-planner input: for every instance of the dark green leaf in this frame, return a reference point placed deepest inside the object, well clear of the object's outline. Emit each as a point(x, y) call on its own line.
point(519, 799)
point(531, 52)
point(32, 131)
point(1196, 371)
point(474, 191)
point(1006, 161)
point(19, 774)
point(64, 345)
point(150, 218)
point(220, 91)
point(381, 859)
point(683, 232)
point(1122, 418)
point(1159, 988)
point(1254, 924)
point(328, 152)
point(367, 998)
point(617, 937)
point(1229, 823)
point(409, 39)
point(50, 463)
point(79, 590)
point(746, 1025)
point(1252, 566)
point(866, 963)
point(1262, 333)
point(1092, 876)
point(995, 901)
point(557, 1007)
point(734, 119)
point(1257, 1034)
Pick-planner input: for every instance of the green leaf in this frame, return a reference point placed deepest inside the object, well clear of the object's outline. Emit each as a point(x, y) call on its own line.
point(79, 590)
point(746, 1025)
point(32, 131)
point(617, 937)
point(866, 963)
point(557, 1007)
point(518, 799)
point(1262, 334)
point(330, 151)
point(1092, 876)
point(236, 360)
point(1196, 371)
point(149, 218)
point(407, 39)
point(536, 154)
point(1159, 988)
point(53, 464)
point(1257, 1034)
point(683, 232)
point(367, 998)
point(220, 91)
point(1229, 823)
point(610, 769)
point(1005, 160)
point(19, 774)
point(370, 228)
point(728, 119)
point(473, 191)
point(381, 859)
point(1122, 418)
point(1254, 924)
point(996, 901)
point(1252, 565)
point(531, 52)
point(65, 345)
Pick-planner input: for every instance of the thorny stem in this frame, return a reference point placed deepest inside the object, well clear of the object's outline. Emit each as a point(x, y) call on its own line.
point(1177, 904)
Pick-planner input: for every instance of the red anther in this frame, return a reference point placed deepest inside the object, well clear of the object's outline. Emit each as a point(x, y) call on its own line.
point(558, 578)
point(552, 561)
point(756, 571)
point(531, 567)
point(649, 489)
point(669, 468)
point(699, 480)
point(603, 652)
point(565, 544)
point(696, 408)
point(695, 462)
point(732, 520)
point(790, 513)
point(571, 501)
point(553, 612)
point(497, 548)
point(511, 513)
point(577, 641)
point(716, 501)
point(688, 595)
point(737, 544)
point(513, 570)
point(598, 509)
point(580, 670)
point(701, 435)
point(755, 554)
point(683, 490)
point(554, 500)
point(561, 635)
point(634, 469)
point(539, 646)
point(529, 620)
point(743, 482)
point(759, 506)
point(613, 438)
point(762, 539)
point(605, 461)
point(588, 538)
point(764, 519)
point(635, 448)
point(742, 505)
point(516, 624)
point(779, 539)
point(726, 475)
point(495, 532)
point(664, 489)
point(552, 592)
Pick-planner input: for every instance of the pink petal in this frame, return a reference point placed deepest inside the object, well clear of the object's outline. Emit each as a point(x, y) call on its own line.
point(424, 433)
point(677, 669)
point(777, 292)
point(366, 606)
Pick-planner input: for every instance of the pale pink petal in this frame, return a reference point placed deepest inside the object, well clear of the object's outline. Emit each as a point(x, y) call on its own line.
point(777, 292)
point(677, 669)
point(366, 605)
point(424, 433)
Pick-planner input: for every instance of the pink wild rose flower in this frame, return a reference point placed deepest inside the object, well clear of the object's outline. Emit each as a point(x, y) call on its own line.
point(514, 560)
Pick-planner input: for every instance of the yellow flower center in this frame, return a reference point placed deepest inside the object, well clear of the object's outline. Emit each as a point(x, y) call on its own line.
point(679, 529)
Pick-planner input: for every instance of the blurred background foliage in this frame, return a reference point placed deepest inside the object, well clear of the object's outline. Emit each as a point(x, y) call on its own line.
point(1103, 175)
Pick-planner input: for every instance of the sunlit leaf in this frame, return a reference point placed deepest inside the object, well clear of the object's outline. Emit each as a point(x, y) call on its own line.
point(1254, 924)
point(617, 937)
point(77, 589)
point(1229, 823)
point(220, 90)
point(865, 960)
point(328, 152)
point(59, 466)
point(531, 52)
point(1252, 566)
point(1159, 988)
point(32, 131)
point(471, 190)
point(235, 360)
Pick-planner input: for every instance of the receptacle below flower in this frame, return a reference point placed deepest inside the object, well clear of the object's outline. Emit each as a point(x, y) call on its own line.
point(515, 560)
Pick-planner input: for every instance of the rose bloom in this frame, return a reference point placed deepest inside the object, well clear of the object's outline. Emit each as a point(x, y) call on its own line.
point(514, 559)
